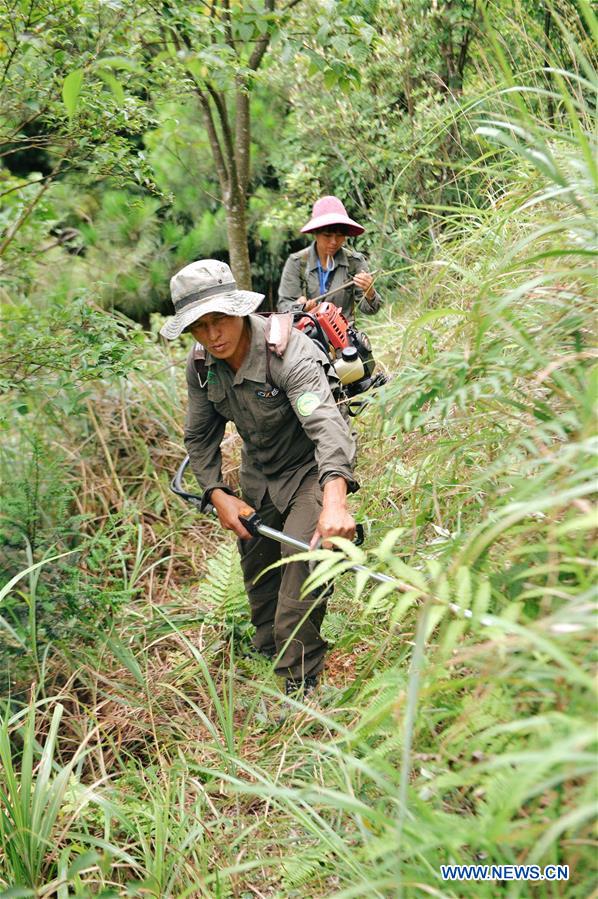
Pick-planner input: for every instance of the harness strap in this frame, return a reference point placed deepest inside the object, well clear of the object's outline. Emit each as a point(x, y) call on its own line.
point(278, 334)
point(303, 272)
point(200, 364)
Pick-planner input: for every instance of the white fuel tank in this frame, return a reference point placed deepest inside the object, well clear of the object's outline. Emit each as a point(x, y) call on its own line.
point(349, 367)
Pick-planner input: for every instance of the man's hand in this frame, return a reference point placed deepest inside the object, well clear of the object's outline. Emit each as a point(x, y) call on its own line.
point(335, 519)
point(229, 508)
point(365, 282)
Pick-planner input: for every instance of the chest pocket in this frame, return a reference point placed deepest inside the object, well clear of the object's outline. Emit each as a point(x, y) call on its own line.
point(217, 396)
point(271, 409)
point(265, 402)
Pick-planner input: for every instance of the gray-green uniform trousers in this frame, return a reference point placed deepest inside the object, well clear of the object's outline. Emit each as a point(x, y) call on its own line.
point(285, 624)
point(294, 440)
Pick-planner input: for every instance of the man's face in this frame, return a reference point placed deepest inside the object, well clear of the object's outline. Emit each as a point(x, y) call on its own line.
point(220, 334)
point(329, 242)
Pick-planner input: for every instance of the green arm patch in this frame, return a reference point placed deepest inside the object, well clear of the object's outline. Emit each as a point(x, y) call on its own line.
point(308, 403)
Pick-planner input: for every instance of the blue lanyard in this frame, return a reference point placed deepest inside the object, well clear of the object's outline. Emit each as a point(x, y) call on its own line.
point(324, 276)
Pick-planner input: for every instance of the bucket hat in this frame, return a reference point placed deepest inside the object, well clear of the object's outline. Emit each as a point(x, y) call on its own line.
point(330, 211)
point(202, 287)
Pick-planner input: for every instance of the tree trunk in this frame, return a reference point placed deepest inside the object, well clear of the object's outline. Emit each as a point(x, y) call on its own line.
point(230, 137)
point(236, 229)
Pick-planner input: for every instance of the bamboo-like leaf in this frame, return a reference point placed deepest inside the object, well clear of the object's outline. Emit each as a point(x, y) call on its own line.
point(114, 85)
point(125, 657)
point(6, 589)
point(71, 89)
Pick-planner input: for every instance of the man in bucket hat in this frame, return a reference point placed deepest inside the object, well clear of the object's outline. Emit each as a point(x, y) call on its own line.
point(297, 456)
point(327, 264)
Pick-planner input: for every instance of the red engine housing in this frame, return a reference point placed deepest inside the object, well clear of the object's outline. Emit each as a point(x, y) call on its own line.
point(332, 322)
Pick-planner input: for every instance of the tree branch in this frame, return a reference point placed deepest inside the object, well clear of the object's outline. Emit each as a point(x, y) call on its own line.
point(224, 175)
point(242, 133)
point(465, 43)
point(228, 31)
point(230, 150)
point(262, 42)
point(223, 171)
point(12, 233)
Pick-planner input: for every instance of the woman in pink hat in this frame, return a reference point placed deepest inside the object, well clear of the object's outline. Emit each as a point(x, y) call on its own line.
point(327, 264)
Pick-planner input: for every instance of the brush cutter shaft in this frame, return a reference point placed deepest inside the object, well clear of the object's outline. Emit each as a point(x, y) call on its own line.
point(280, 537)
point(254, 526)
point(329, 293)
point(375, 575)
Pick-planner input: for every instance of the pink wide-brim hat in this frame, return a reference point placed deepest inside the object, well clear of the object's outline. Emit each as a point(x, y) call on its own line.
point(330, 211)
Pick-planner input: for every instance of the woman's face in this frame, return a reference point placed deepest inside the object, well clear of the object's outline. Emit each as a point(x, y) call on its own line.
point(328, 242)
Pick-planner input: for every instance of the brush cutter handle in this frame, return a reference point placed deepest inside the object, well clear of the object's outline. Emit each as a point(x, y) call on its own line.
point(253, 523)
point(176, 485)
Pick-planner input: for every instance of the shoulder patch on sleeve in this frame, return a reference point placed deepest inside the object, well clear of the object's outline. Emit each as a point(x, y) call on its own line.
point(307, 403)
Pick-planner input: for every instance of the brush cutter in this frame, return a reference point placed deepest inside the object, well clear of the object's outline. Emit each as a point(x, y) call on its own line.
point(254, 525)
point(251, 521)
point(349, 350)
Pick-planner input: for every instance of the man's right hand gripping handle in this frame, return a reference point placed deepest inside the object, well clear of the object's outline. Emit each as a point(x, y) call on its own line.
point(228, 509)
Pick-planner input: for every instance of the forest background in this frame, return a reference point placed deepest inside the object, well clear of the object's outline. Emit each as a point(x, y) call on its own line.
point(142, 751)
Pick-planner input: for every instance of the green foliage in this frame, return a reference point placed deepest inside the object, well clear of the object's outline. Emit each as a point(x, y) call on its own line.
point(461, 726)
point(56, 120)
point(393, 146)
point(223, 590)
point(66, 601)
point(37, 505)
point(62, 345)
point(165, 821)
point(71, 89)
point(302, 869)
point(68, 598)
point(31, 803)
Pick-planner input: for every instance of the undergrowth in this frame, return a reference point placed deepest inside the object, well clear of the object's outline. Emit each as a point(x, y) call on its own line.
point(145, 751)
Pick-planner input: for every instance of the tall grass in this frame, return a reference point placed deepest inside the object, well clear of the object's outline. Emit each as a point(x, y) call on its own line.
point(157, 761)
point(32, 802)
point(484, 747)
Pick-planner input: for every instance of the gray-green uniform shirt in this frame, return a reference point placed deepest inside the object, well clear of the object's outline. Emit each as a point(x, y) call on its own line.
point(300, 277)
point(289, 425)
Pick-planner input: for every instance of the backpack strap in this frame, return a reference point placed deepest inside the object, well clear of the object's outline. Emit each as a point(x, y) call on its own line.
point(303, 270)
point(353, 259)
point(200, 364)
point(278, 334)
point(279, 328)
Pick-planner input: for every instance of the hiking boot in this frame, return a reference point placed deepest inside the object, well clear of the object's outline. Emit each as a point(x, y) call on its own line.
point(252, 652)
point(304, 688)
